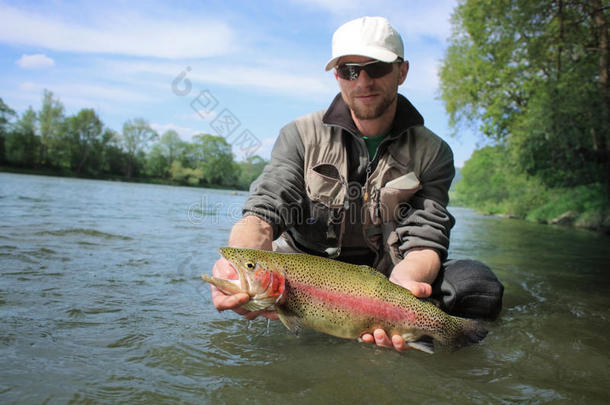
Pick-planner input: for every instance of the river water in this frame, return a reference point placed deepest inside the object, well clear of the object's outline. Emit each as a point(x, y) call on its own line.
point(101, 301)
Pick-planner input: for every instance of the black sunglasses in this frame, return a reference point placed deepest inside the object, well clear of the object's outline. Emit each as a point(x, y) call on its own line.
point(374, 69)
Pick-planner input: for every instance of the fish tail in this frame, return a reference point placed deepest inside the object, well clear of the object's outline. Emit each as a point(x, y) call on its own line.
point(470, 332)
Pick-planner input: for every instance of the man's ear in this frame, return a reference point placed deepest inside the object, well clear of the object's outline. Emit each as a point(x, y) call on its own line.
point(404, 69)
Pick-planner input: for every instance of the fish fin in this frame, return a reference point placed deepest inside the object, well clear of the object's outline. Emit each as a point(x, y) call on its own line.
point(424, 344)
point(291, 321)
point(472, 332)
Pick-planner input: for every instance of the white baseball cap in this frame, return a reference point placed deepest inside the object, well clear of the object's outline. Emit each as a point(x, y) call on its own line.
point(373, 37)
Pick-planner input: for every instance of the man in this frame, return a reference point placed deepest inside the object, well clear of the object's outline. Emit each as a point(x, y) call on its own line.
point(364, 182)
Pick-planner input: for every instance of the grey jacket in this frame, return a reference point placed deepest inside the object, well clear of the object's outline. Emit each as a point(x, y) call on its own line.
point(279, 196)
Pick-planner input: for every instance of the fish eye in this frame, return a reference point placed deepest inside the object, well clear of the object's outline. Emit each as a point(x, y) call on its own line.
point(250, 265)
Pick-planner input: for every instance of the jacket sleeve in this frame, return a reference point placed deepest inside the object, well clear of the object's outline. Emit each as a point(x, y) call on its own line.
point(426, 222)
point(277, 195)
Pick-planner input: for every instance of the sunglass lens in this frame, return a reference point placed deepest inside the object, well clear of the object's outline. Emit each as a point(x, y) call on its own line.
point(374, 70)
point(377, 70)
point(349, 72)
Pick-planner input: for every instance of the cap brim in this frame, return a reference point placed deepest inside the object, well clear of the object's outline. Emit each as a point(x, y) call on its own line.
point(380, 54)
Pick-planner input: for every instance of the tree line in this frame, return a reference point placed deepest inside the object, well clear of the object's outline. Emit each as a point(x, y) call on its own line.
point(81, 145)
point(532, 77)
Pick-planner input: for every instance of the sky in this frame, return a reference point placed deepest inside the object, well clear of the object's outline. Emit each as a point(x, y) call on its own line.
point(238, 69)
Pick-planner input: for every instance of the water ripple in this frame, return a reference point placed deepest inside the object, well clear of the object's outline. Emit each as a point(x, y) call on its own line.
point(83, 232)
point(106, 305)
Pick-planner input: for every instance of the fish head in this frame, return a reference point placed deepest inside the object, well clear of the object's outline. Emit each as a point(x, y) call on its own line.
point(256, 276)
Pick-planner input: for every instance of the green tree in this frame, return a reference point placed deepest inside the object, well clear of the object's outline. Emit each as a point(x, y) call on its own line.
point(185, 175)
point(163, 154)
point(21, 142)
point(171, 145)
point(533, 75)
point(84, 131)
point(215, 158)
point(493, 184)
point(51, 121)
point(249, 170)
point(156, 163)
point(111, 154)
point(137, 135)
point(6, 114)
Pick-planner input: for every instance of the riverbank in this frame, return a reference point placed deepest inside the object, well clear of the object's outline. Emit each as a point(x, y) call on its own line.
point(579, 207)
point(570, 208)
point(593, 221)
point(70, 174)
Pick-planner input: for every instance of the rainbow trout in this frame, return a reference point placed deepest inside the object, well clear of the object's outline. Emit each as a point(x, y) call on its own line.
point(339, 299)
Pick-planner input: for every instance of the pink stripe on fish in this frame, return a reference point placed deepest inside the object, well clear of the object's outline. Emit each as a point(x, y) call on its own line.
point(363, 306)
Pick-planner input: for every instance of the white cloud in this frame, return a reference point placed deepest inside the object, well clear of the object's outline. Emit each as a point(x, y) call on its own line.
point(199, 114)
point(36, 61)
point(423, 75)
point(336, 7)
point(186, 134)
point(265, 77)
point(29, 86)
point(428, 20)
point(124, 34)
point(93, 92)
point(412, 18)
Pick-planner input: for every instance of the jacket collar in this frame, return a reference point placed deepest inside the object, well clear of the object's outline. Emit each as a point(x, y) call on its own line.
point(338, 114)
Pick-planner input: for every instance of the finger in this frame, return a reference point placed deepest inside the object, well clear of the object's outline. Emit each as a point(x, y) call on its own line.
point(367, 338)
point(224, 269)
point(381, 338)
point(419, 289)
point(223, 302)
point(399, 343)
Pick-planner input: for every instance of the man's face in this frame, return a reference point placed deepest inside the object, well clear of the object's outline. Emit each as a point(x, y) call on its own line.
point(369, 98)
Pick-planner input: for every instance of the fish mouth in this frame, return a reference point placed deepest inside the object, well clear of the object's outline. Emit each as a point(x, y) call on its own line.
point(242, 280)
point(260, 282)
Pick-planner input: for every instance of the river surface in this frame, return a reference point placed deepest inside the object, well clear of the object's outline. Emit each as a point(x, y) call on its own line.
point(101, 301)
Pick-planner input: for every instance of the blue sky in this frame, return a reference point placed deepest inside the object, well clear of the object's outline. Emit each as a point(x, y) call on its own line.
point(259, 62)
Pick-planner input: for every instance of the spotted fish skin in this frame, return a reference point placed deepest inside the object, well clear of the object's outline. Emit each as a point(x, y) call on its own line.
point(340, 299)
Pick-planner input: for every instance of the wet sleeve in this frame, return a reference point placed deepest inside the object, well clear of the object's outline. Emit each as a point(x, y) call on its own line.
point(278, 194)
point(426, 223)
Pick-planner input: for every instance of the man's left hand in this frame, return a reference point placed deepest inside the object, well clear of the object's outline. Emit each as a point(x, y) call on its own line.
point(380, 337)
point(415, 272)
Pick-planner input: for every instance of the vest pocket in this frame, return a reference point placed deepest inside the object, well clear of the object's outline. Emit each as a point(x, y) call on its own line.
point(386, 208)
point(325, 185)
point(396, 193)
point(327, 192)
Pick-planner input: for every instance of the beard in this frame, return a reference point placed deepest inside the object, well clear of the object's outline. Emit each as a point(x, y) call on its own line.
point(371, 111)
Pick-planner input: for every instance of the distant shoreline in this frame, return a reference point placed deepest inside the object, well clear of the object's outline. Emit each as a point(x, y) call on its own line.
point(567, 219)
point(142, 180)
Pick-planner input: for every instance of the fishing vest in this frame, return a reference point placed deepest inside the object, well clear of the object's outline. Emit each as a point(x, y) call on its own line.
point(333, 200)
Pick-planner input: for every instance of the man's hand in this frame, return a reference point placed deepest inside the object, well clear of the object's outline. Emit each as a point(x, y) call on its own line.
point(249, 232)
point(415, 272)
point(223, 269)
point(380, 337)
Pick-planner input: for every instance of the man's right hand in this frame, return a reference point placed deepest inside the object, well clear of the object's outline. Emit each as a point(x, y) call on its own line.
point(223, 269)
